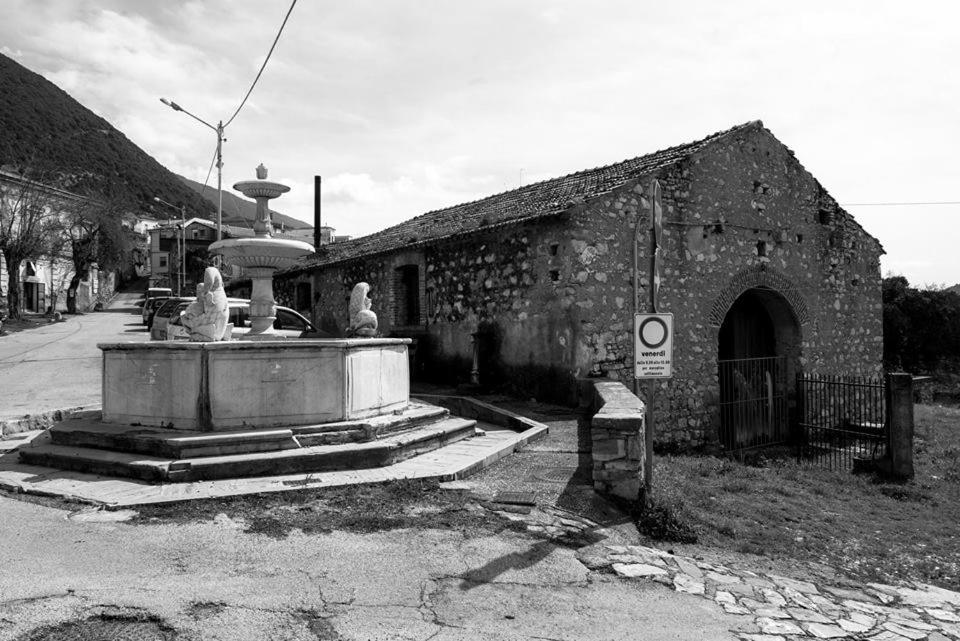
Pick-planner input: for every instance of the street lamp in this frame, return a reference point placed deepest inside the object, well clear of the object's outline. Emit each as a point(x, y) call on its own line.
point(182, 277)
point(220, 139)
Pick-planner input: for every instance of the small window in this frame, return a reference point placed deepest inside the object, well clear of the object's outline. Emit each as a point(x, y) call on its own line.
point(554, 275)
point(163, 261)
point(761, 248)
point(554, 248)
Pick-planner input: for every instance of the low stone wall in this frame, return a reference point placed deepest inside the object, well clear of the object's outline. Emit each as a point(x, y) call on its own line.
point(616, 429)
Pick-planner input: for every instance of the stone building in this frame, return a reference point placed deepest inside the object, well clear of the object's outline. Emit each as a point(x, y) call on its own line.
point(765, 274)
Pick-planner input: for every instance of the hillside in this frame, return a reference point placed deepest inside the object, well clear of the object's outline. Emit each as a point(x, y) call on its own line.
point(240, 211)
point(51, 137)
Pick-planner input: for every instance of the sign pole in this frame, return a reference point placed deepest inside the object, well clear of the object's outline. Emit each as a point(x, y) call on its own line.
point(656, 231)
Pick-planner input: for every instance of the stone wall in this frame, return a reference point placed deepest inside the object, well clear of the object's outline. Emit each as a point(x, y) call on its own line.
point(551, 300)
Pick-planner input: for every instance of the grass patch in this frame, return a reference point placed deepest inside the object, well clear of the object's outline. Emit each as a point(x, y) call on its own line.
point(662, 521)
point(861, 525)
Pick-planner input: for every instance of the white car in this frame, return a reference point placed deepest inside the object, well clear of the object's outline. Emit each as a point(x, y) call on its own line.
point(288, 324)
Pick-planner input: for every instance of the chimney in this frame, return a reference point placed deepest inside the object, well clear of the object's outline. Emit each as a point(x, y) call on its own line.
point(316, 213)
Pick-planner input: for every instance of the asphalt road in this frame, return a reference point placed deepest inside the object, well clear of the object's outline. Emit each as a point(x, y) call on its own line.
point(211, 580)
point(58, 366)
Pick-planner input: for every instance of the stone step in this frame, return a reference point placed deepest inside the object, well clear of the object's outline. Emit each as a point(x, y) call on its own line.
point(377, 426)
point(319, 458)
point(162, 443)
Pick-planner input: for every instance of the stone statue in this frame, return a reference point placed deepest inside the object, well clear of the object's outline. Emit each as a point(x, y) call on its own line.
point(206, 317)
point(363, 322)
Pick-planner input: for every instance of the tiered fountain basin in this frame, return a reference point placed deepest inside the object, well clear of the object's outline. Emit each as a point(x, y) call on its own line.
point(234, 384)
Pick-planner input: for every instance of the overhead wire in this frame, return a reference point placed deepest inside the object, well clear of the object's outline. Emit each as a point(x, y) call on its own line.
point(264, 65)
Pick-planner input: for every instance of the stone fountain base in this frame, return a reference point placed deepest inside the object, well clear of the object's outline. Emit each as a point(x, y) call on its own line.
point(161, 455)
point(235, 384)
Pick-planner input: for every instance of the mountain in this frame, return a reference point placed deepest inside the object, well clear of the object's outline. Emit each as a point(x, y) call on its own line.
point(240, 211)
point(49, 136)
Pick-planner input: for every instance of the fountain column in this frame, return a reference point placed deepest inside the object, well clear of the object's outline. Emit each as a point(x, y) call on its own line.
point(261, 255)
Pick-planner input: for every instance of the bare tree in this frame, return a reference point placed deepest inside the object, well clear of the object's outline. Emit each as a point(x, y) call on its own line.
point(28, 226)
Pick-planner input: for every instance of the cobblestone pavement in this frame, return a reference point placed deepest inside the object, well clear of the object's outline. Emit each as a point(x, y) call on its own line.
point(774, 607)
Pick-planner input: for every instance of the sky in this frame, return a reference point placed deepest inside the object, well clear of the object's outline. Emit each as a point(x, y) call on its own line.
point(405, 106)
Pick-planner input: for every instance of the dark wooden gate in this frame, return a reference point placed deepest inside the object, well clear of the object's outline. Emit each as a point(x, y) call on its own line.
point(753, 403)
point(841, 419)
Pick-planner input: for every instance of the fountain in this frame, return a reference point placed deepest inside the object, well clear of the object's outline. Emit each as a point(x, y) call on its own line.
point(261, 255)
point(182, 411)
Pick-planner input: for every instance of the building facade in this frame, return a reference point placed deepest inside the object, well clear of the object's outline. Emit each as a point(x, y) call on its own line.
point(765, 274)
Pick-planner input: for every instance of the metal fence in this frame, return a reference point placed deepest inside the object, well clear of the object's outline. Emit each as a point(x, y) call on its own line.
point(841, 419)
point(753, 403)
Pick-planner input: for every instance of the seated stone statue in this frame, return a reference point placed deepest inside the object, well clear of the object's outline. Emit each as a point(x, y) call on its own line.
point(363, 322)
point(206, 317)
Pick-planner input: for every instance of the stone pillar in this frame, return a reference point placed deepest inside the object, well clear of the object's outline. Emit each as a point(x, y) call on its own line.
point(617, 433)
point(900, 425)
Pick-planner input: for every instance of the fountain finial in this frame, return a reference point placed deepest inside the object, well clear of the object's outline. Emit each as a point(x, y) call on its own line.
point(261, 172)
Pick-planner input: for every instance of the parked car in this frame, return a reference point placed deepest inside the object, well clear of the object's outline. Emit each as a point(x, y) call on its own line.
point(288, 324)
point(170, 308)
point(153, 292)
point(150, 308)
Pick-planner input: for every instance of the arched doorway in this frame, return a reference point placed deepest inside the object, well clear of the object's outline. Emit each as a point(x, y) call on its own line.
point(758, 352)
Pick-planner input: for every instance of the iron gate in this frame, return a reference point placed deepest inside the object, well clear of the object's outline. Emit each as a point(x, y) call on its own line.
point(842, 419)
point(753, 403)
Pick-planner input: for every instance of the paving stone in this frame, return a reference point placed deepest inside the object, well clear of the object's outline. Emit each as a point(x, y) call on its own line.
point(634, 570)
point(753, 604)
point(618, 549)
point(756, 581)
point(740, 588)
point(722, 578)
point(688, 568)
point(762, 637)
point(799, 598)
point(771, 613)
point(684, 583)
point(936, 636)
point(872, 608)
point(929, 596)
point(800, 586)
point(774, 626)
point(886, 635)
point(822, 631)
point(911, 623)
point(772, 596)
point(733, 608)
point(853, 626)
point(637, 558)
point(909, 633)
point(802, 614)
point(846, 593)
point(943, 615)
point(862, 619)
point(724, 597)
point(884, 598)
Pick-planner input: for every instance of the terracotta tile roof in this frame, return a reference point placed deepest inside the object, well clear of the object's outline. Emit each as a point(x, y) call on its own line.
point(530, 201)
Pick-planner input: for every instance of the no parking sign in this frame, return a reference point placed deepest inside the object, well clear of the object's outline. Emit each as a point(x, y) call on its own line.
point(653, 345)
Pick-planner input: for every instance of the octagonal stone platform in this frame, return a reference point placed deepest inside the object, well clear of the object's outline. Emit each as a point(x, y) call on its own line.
point(237, 384)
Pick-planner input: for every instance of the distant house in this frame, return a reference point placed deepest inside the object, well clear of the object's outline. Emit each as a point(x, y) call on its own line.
point(43, 280)
point(765, 274)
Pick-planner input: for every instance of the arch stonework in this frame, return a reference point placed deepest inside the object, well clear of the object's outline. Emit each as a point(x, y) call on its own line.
point(759, 277)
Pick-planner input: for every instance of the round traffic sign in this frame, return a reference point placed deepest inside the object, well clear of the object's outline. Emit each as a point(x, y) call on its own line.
point(653, 332)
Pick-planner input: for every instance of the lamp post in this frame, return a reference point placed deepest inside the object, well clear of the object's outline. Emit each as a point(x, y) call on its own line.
point(220, 139)
point(182, 276)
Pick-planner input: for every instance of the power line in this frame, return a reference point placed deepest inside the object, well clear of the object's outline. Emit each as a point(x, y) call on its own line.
point(945, 202)
point(264, 65)
point(209, 171)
